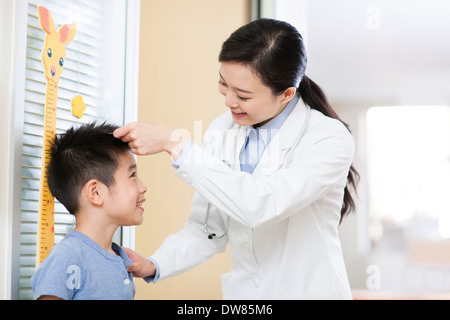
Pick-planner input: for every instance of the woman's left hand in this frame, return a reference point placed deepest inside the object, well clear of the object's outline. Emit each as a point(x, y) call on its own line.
point(151, 138)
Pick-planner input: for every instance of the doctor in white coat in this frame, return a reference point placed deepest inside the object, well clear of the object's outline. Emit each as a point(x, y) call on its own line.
point(272, 178)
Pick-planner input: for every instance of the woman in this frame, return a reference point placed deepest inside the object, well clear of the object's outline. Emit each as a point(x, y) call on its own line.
point(272, 176)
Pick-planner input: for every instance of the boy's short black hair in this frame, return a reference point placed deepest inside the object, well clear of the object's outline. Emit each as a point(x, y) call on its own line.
point(79, 155)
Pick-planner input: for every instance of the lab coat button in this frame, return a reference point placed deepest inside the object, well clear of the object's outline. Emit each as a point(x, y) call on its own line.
point(246, 247)
point(256, 283)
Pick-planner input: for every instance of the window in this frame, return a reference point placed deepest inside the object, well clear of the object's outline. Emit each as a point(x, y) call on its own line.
point(409, 166)
point(98, 67)
point(409, 204)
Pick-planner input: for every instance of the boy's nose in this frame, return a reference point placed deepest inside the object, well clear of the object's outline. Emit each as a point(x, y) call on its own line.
point(142, 187)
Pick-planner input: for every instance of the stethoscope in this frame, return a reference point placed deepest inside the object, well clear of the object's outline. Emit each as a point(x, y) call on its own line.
point(287, 162)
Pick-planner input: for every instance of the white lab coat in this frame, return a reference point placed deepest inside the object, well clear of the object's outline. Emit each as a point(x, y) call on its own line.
point(284, 221)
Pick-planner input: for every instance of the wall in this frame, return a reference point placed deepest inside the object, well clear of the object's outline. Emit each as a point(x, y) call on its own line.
point(6, 40)
point(180, 43)
point(13, 13)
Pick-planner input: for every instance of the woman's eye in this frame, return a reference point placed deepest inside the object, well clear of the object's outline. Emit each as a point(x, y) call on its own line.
point(242, 99)
point(222, 84)
point(133, 175)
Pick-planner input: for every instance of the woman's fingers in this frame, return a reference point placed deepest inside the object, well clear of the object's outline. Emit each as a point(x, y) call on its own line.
point(133, 134)
point(145, 138)
point(123, 133)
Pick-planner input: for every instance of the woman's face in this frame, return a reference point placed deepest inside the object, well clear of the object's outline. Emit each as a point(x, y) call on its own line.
point(250, 101)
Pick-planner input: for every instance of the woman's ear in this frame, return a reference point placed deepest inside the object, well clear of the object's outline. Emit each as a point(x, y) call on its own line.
point(94, 192)
point(288, 94)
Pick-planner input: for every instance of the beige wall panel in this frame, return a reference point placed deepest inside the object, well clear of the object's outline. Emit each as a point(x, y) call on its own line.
point(180, 43)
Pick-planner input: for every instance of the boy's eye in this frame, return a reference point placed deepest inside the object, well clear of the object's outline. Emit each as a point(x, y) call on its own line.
point(241, 98)
point(133, 175)
point(222, 83)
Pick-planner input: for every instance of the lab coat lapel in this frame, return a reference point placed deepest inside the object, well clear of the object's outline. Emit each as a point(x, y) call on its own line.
point(234, 140)
point(275, 154)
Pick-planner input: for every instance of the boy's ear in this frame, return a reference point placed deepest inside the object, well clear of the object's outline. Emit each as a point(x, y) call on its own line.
point(93, 191)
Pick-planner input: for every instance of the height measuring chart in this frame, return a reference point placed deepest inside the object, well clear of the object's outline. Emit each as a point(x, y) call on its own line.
point(53, 56)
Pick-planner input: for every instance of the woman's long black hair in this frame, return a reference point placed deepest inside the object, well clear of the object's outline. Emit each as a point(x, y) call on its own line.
point(275, 51)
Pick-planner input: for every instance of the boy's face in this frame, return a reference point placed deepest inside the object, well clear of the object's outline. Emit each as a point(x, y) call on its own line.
point(126, 196)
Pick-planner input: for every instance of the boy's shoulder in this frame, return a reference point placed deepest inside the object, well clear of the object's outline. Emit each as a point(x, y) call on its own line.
point(75, 248)
point(71, 245)
point(68, 250)
point(78, 268)
point(65, 259)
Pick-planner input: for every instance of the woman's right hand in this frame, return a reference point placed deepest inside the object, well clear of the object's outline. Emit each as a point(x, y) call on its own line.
point(152, 138)
point(140, 267)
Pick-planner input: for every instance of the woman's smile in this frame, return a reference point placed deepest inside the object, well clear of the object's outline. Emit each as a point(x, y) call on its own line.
point(238, 114)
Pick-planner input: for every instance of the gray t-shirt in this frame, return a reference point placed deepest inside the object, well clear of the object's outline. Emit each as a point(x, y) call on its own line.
point(77, 268)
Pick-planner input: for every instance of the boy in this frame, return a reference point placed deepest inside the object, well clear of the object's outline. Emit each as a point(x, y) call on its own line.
point(94, 175)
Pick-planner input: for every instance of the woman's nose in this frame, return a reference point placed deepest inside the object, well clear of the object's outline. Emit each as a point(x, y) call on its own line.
point(230, 100)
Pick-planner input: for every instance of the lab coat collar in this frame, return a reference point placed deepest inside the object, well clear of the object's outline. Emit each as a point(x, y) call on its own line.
point(268, 130)
point(274, 156)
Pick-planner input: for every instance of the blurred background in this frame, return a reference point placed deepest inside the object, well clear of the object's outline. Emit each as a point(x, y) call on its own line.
point(384, 67)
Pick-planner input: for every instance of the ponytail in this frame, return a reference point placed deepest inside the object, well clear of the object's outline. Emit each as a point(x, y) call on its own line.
point(313, 96)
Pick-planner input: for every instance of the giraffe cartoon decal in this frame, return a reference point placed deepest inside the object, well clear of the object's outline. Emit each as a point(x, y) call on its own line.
point(53, 56)
point(54, 52)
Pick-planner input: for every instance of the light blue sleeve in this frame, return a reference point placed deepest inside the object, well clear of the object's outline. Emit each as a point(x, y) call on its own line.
point(154, 278)
point(59, 275)
point(184, 154)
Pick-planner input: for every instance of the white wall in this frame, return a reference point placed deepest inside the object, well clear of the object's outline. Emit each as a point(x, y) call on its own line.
point(382, 49)
point(9, 191)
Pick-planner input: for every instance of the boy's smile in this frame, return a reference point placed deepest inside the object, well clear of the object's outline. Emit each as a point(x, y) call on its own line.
point(126, 196)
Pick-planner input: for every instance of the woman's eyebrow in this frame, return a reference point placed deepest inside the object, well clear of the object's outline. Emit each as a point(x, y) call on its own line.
point(241, 90)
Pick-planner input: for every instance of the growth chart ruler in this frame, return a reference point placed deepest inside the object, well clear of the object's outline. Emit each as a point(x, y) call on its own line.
point(53, 57)
point(47, 201)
